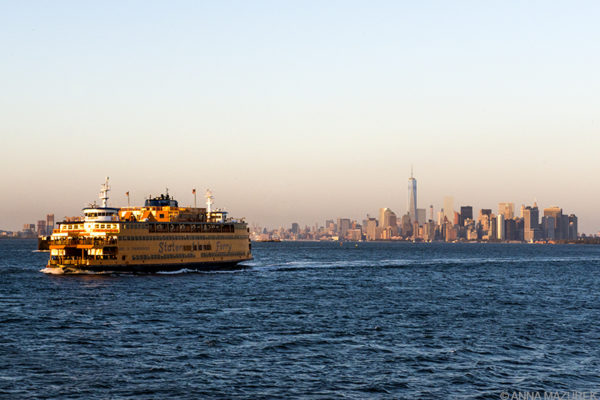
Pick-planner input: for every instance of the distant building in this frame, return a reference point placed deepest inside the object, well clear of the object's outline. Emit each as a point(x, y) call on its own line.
point(493, 231)
point(449, 208)
point(330, 226)
point(355, 234)
point(519, 229)
point(429, 231)
point(450, 232)
point(343, 227)
point(371, 228)
point(466, 212)
point(500, 228)
point(548, 227)
point(41, 227)
point(531, 219)
point(485, 211)
point(412, 198)
point(295, 228)
point(456, 218)
point(407, 227)
point(29, 230)
point(387, 218)
point(561, 229)
point(421, 216)
point(510, 226)
point(440, 218)
point(484, 221)
point(49, 223)
point(573, 234)
point(507, 210)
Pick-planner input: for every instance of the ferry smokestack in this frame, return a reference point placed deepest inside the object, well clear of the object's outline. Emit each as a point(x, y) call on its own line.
point(209, 201)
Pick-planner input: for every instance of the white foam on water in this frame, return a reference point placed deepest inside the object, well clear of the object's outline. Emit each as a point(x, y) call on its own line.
point(179, 271)
point(61, 271)
point(415, 262)
point(52, 271)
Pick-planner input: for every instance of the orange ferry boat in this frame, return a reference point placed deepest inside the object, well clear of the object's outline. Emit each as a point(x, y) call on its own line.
point(160, 236)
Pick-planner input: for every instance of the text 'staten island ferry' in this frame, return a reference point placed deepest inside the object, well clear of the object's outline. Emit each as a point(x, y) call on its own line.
point(161, 236)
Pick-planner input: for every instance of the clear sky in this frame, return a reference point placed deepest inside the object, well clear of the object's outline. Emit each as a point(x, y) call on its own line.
point(300, 111)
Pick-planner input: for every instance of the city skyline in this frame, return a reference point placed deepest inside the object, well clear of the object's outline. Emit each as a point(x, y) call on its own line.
point(531, 226)
point(299, 111)
point(448, 212)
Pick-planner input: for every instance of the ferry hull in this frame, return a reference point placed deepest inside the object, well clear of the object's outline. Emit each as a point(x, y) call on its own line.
point(145, 268)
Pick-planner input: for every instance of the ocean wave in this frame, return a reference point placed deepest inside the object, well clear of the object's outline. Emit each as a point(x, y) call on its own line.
point(403, 262)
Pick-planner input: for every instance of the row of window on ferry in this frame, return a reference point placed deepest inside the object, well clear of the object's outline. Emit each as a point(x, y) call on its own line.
point(100, 214)
point(81, 227)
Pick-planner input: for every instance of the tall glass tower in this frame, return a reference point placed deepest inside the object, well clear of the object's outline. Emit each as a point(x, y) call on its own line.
point(412, 197)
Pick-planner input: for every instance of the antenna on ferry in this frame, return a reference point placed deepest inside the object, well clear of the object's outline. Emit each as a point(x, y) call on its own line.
point(209, 201)
point(104, 189)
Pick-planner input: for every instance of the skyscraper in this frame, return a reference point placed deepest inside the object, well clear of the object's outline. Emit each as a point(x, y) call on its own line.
point(295, 228)
point(531, 219)
point(449, 208)
point(573, 230)
point(466, 212)
point(421, 216)
point(412, 198)
point(555, 213)
point(387, 218)
point(343, 226)
point(41, 227)
point(371, 228)
point(500, 227)
point(49, 223)
point(506, 209)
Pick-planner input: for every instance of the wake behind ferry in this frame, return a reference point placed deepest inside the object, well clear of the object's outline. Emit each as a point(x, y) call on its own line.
point(160, 236)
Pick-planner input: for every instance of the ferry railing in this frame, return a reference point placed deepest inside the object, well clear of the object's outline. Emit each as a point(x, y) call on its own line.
point(72, 260)
point(83, 241)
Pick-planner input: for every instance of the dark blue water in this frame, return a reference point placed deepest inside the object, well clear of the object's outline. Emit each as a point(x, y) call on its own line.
point(308, 320)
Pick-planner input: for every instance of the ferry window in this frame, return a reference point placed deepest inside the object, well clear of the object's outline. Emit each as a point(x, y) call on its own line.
point(96, 226)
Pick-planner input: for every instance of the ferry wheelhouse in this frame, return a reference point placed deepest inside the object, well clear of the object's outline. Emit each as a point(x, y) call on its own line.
point(160, 236)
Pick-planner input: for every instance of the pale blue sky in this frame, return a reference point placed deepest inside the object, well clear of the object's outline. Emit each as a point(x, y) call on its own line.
point(300, 111)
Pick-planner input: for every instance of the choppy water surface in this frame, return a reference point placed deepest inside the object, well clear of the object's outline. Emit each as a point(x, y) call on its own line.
point(311, 320)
